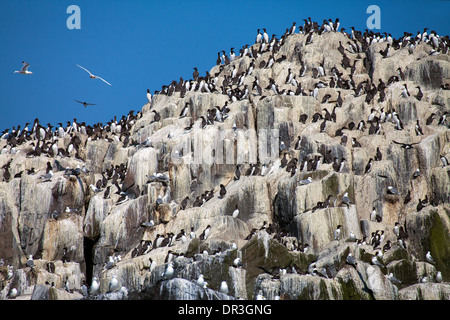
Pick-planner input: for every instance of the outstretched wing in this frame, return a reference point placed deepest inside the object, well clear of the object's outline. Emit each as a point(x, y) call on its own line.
point(25, 66)
point(84, 69)
point(104, 80)
point(85, 103)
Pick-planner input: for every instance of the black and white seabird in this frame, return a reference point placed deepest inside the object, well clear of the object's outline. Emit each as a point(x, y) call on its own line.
point(442, 118)
point(292, 29)
point(337, 232)
point(405, 145)
point(265, 36)
point(405, 92)
point(205, 234)
point(223, 191)
point(368, 166)
point(355, 143)
point(385, 52)
point(430, 119)
point(235, 212)
point(392, 190)
point(419, 95)
point(298, 143)
point(156, 116)
point(184, 111)
point(418, 129)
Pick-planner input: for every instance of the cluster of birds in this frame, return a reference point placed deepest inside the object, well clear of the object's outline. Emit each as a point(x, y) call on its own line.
point(357, 43)
point(45, 140)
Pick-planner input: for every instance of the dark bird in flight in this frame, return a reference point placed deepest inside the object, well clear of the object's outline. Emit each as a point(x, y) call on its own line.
point(85, 104)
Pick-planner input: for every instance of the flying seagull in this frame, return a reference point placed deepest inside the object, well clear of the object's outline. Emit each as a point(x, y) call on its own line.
point(24, 69)
point(85, 103)
point(93, 76)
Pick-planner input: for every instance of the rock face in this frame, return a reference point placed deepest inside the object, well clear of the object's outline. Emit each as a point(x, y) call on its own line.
point(130, 201)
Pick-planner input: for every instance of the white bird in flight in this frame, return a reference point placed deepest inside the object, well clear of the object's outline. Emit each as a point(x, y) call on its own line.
point(24, 69)
point(93, 76)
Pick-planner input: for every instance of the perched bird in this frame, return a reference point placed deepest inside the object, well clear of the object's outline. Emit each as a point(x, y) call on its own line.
point(237, 262)
point(438, 277)
point(113, 284)
point(235, 212)
point(47, 177)
point(376, 262)
point(95, 286)
point(184, 111)
point(430, 119)
point(351, 260)
point(93, 76)
point(373, 214)
point(195, 74)
point(13, 293)
point(352, 236)
point(419, 95)
point(223, 191)
point(405, 92)
point(429, 258)
point(201, 280)
point(392, 190)
point(148, 224)
point(337, 233)
point(396, 229)
point(418, 129)
point(392, 278)
point(30, 262)
point(223, 287)
point(94, 188)
point(305, 181)
point(368, 166)
point(168, 271)
point(205, 234)
point(346, 199)
point(444, 161)
point(84, 290)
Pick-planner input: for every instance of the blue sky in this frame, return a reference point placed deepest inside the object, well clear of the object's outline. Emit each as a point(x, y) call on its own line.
point(140, 45)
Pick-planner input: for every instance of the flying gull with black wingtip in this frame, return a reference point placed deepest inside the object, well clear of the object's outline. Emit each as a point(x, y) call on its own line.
point(94, 76)
point(24, 69)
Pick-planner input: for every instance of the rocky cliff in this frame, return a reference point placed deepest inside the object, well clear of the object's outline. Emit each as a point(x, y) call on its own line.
point(331, 147)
